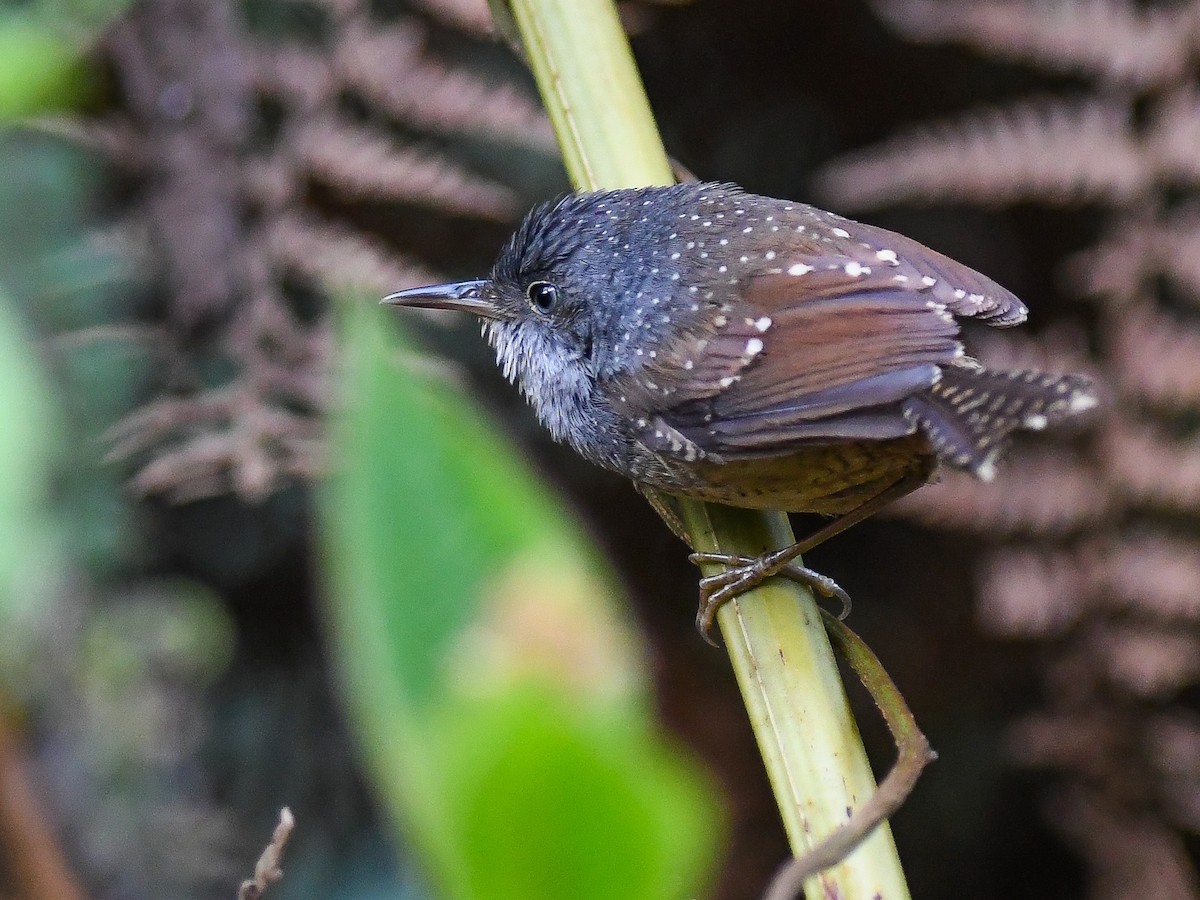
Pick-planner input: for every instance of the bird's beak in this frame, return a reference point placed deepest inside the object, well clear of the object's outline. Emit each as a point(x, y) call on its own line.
point(466, 296)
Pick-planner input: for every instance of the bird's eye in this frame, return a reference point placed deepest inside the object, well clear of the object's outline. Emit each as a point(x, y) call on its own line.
point(543, 295)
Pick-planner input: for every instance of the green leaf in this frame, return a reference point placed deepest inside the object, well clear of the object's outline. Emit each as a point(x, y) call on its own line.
point(29, 552)
point(501, 701)
point(39, 69)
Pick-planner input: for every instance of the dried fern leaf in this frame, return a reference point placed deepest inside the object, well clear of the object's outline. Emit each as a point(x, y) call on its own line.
point(364, 164)
point(1050, 151)
point(1062, 348)
point(1042, 492)
point(1152, 470)
point(1154, 576)
point(1117, 269)
point(336, 257)
point(1129, 853)
point(1158, 360)
point(113, 136)
point(1118, 41)
point(1032, 594)
point(1147, 662)
point(434, 96)
point(1173, 134)
point(471, 16)
point(298, 76)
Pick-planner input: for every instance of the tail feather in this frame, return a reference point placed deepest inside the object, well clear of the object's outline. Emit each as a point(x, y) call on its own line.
point(968, 415)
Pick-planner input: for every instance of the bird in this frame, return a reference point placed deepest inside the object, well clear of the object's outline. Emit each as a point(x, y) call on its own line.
point(718, 345)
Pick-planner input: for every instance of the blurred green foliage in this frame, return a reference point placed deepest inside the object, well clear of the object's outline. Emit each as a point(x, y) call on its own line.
point(30, 562)
point(502, 703)
point(41, 49)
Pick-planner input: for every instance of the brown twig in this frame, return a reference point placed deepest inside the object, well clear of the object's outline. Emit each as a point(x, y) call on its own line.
point(267, 870)
point(914, 753)
point(35, 862)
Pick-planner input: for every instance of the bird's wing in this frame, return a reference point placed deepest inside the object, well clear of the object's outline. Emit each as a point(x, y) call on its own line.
point(821, 347)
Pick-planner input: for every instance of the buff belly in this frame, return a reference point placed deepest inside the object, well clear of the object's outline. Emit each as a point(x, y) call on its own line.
point(831, 480)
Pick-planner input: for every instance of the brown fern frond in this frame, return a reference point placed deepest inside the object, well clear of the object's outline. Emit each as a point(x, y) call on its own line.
point(114, 137)
point(1150, 469)
point(216, 442)
point(335, 257)
point(1117, 268)
point(1154, 576)
point(1158, 359)
point(434, 96)
point(297, 76)
point(1032, 593)
point(1129, 854)
point(1084, 739)
point(1147, 662)
point(156, 421)
point(1061, 348)
point(1173, 749)
point(1038, 492)
point(471, 16)
point(362, 163)
point(1173, 133)
point(1177, 243)
point(1115, 598)
point(1052, 150)
point(1117, 41)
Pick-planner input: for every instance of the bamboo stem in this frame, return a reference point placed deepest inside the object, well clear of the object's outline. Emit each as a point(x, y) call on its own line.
point(777, 644)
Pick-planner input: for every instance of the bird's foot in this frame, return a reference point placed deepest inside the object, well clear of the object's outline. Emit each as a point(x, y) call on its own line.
point(744, 573)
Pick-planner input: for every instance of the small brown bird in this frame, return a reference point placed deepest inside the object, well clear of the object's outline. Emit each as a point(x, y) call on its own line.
point(739, 349)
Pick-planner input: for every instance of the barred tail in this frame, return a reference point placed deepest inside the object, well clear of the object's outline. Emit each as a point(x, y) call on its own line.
point(970, 412)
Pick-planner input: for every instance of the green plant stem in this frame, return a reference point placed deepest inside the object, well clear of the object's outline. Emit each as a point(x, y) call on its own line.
point(777, 644)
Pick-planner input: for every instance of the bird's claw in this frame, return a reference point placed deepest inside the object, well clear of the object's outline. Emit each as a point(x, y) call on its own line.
point(743, 573)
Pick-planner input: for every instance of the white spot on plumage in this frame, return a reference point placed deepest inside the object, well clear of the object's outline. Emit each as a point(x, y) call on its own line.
point(887, 256)
point(928, 280)
point(840, 232)
point(1035, 422)
point(727, 381)
point(800, 269)
point(986, 470)
point(770, 254)
point(855, 270)
point(763, 324)
point(754, 346)
point(1081, 402)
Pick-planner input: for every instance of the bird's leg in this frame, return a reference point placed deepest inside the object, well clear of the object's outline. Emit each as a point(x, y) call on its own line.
point(745, 573)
